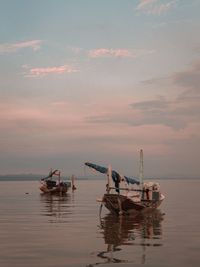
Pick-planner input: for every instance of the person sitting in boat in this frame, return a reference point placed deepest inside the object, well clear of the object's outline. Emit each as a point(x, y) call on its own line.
point(147, 193)
point(107, 188)
point(116, 179)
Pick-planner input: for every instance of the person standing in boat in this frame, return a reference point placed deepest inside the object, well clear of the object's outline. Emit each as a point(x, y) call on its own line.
point(117, 180)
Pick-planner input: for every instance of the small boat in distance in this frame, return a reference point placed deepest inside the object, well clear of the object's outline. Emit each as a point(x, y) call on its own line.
point(134, 194)
point(54, 186)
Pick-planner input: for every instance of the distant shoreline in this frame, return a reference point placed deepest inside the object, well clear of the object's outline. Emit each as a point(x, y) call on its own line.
point(37, 177)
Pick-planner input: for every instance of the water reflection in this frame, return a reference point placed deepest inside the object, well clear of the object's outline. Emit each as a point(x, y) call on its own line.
point(120, 232)
point(56, 207)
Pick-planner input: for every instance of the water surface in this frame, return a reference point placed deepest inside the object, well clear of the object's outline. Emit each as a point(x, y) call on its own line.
point(48, 231)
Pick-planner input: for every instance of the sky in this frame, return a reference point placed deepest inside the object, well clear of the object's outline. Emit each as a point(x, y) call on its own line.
point(98, 80)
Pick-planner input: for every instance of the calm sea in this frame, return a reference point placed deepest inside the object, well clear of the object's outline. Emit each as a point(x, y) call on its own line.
point(50, 231)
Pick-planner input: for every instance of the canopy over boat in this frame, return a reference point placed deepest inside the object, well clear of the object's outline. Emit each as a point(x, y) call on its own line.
point(51, 174)
point(128, 199)
point(115, 175)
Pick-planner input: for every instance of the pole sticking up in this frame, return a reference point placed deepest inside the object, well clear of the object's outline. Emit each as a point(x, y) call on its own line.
point(141, 171)
point(73, 185)
point(109, 178)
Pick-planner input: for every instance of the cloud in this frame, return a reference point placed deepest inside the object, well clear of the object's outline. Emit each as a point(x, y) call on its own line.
point(189, 79)
point(156, 104)
point(76, 50)
point(158, 111)
point(103, 52)
point(154, 7)
point(15, 47)
point(145, 3)
point(177, 112)
point(40, 72)
point(118, 53)
point(53, 117)
point(197, 48)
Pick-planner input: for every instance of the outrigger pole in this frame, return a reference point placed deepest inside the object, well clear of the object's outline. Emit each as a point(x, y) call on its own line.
point(141, 171)
point(109, 178)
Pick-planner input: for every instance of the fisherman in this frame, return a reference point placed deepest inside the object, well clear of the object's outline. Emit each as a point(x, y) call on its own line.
point(107, 188)
point(117, 181)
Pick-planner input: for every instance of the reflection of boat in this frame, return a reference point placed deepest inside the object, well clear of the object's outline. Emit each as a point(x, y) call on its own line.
point(121, 230)
point(52, 186)
point(56, 207)
point(143, 229)
point(134, 195)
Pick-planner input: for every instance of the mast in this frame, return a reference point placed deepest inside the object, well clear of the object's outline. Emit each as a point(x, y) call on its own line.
point(141, 171)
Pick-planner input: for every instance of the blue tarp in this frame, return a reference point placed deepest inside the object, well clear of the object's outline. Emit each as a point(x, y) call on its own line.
point(115, 175)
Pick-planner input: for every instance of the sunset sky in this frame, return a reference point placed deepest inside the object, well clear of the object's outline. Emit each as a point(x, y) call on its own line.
point(97, 80)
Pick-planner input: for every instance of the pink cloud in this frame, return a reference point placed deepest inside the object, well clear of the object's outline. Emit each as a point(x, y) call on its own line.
point(144, 3)
point(15, 47)
point(157, 10)
point(103, 52)
point(39, 72)
point(131, 53)
point(154, 7)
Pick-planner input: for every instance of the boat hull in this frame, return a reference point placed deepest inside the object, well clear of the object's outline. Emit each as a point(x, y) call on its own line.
point(121, 204)
point(59, 189)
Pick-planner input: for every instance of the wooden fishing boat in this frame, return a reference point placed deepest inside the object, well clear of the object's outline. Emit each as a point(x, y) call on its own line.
point(50, 185)
point(126, 195)
point(127, 204)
